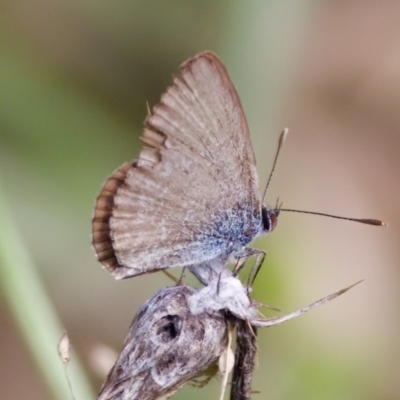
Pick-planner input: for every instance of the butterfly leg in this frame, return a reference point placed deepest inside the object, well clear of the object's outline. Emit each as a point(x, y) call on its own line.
point(239, 265)
point(209, 374)
point(170, 276)
point(241, 259)
point(219, 281)
point(256, 267)
point(180, 280)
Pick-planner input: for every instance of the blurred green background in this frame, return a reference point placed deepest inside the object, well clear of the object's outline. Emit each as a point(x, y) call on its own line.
point(74, 80)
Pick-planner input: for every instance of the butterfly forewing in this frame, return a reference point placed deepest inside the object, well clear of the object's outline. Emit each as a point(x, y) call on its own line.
point(193, 191)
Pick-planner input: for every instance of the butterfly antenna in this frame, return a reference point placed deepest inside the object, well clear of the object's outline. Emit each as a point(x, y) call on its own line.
point(281, 140)
point(375, 222)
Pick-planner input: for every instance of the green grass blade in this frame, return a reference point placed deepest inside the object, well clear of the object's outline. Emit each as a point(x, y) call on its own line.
point(34, 313)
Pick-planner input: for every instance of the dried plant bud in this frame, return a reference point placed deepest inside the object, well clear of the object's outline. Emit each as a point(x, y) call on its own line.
point(166, 346)
point(245, 355)
point(181, 333)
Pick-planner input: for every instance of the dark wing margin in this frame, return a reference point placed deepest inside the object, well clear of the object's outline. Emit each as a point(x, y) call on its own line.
point(101, 232)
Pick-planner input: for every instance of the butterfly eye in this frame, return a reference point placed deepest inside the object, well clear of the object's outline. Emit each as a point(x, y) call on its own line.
point(269, 219)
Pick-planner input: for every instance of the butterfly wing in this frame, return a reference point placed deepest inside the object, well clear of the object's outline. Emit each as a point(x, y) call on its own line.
point(195, 178)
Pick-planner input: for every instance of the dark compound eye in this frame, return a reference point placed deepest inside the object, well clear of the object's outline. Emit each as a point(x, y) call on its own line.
point(269, 218)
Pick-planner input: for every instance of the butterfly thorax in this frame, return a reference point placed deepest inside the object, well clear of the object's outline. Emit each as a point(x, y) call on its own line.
point(232, 229)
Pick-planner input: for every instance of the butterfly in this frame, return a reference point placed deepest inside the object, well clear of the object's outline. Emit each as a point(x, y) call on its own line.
point(192, 195)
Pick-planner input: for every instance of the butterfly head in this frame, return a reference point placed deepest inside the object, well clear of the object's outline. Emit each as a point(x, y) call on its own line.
point(269, 218)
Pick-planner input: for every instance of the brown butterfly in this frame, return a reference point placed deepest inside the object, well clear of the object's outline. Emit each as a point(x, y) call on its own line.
point(192, 196)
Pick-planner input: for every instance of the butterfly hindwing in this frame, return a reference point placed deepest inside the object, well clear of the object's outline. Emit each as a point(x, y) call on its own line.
point(193, 186)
